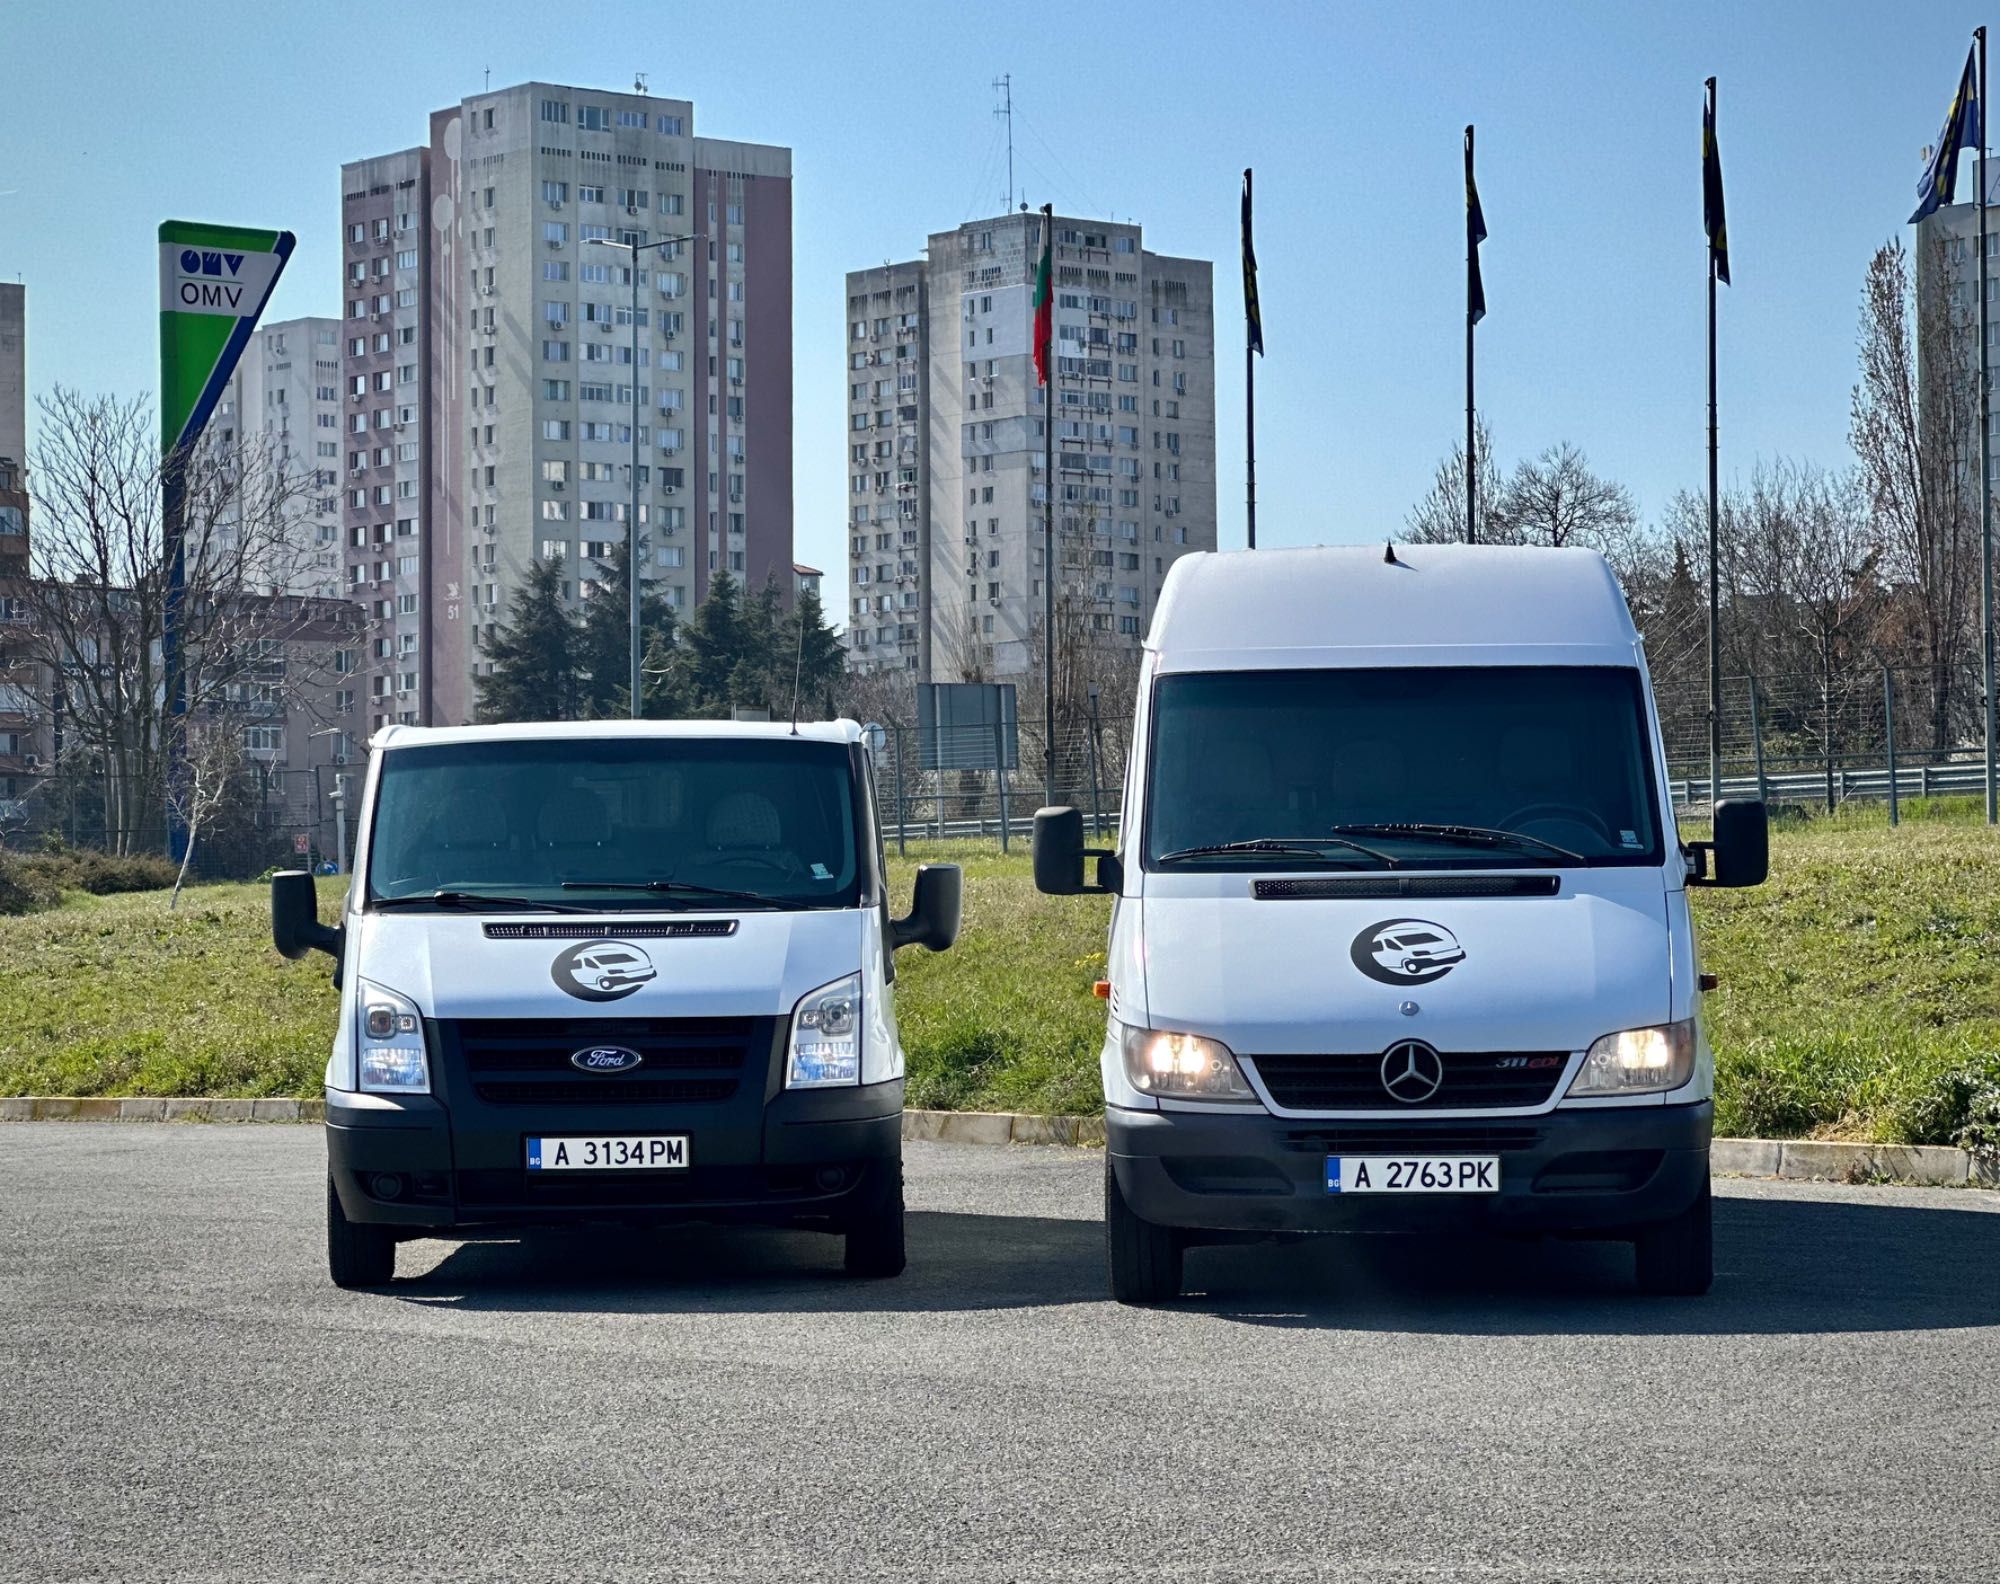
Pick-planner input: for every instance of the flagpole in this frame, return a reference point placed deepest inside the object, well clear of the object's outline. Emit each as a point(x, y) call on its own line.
point(1049, 524)
point(1985, 464)
point(1714, 538)
point(1250, 430)
point(1471, 456)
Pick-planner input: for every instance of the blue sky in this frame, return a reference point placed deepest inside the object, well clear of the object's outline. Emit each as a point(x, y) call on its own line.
point(122, 114)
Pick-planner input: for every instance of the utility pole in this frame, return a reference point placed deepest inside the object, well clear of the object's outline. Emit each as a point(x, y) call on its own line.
point(633, 581)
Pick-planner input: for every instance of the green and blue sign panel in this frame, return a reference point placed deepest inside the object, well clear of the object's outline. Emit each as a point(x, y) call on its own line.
point(214, 283)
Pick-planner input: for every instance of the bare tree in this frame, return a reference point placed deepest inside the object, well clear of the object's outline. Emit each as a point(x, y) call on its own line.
point(1915, 431)
point(214, 760)
point(1555, 500)
point(1439, 518)
point(97, 593)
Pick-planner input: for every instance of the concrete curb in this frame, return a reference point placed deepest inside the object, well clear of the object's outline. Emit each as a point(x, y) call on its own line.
point(1797, 1160)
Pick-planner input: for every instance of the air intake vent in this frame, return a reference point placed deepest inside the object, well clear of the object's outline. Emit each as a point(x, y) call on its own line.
point(1360, 887)
point(678, 930)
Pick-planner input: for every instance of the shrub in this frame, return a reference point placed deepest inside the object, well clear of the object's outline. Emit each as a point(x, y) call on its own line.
point(1960, 1106)
point(100, 873)
point(23, 889)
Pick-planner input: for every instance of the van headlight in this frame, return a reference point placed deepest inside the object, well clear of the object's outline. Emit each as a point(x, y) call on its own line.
point(826, 1036)
point(389, 1042)
point(1182, 1066)
point(1637, 1061)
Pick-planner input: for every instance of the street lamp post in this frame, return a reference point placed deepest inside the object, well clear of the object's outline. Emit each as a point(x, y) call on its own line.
point(635, 248)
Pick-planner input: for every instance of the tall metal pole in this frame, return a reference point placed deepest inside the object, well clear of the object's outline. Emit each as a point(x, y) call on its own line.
point(1250, 438)
point(1471, 454)
point(1049, 525)
point(1985, 464)
point(1889, 733)
point(1714, 555)
point(632, 527)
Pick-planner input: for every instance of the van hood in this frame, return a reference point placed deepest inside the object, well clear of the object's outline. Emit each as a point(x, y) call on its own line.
point(1298, 977)
point(538, 965)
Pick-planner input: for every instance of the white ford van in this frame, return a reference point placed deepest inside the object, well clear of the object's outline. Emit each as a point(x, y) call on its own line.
point(639, 972)
point(1400, 935)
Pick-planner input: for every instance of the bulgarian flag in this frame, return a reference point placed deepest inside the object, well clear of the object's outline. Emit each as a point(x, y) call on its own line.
point(1044, 298)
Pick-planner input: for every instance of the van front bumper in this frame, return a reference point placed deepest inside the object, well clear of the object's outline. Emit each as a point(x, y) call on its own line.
point(1590, 1171)
point(804, 1158)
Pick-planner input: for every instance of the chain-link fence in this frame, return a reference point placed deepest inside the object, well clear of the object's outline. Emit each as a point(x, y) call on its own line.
point(271, 818)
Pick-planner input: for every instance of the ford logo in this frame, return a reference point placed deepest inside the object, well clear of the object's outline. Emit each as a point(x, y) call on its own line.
point(605, 1059)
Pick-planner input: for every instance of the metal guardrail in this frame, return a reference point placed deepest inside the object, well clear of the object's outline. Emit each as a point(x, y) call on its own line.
point(1848, 783)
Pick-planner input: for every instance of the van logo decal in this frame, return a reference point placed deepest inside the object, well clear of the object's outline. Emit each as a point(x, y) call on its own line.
point(605, 1059)
point(1412, 1072)
point(1406, 951)
point(602, 970)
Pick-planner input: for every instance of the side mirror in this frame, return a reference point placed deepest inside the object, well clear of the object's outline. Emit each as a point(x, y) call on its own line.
point(1059, 856)
point(295, 925)
point(1739, 854)
point(935, 908)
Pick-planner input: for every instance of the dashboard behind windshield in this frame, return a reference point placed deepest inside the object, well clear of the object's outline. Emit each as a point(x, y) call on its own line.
point(1555, 754)
point(552, 819)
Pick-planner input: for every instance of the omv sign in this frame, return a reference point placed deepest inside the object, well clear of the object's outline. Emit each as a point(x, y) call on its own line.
point(211, 279)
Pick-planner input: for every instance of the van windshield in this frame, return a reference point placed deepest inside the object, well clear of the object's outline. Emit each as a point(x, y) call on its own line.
point(1432, 767)
point(577, 821)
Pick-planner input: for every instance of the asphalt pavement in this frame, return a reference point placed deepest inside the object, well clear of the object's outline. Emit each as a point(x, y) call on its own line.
point(184, 1396)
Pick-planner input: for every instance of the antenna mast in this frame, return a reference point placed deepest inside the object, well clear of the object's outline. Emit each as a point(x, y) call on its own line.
point(1004, 86)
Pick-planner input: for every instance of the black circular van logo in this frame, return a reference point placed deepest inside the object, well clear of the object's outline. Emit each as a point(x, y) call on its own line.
point(602, 970)
point(1406, 951)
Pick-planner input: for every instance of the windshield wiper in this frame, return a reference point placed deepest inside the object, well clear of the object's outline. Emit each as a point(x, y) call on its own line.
point(1465, 835)
point(1309, 846)
point(473, 899)
point(680, 887)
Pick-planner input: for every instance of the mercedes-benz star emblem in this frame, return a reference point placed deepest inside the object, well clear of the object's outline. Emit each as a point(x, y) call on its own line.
point(1411, 1071)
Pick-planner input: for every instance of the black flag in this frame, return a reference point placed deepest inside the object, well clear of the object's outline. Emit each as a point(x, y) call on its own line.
point(1712, 219)
point(1475, 233)
point(1253, 310)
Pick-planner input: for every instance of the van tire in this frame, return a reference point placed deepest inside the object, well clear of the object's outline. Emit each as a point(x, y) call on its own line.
point(1144, 1259)
point(356, 1255)
point(875, 1230)
point(1676, 1259)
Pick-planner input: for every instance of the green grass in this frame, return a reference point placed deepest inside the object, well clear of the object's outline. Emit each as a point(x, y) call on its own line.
point(1860, 990)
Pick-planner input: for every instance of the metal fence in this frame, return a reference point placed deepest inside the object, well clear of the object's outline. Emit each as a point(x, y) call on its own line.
point(1789, 740)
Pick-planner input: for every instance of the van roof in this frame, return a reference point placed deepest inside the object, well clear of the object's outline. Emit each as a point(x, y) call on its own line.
point(1347, 605)
point(839, 731)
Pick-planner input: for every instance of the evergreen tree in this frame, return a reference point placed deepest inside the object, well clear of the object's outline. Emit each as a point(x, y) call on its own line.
point(763, 630)
point(709, 650)
point(820, 658)
point(534, 654)
point(604, 652)
point(660, 681)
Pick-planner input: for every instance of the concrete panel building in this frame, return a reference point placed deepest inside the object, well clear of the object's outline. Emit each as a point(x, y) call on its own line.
point(14, 371)
point(282, 412)
point(534, 376)
point(946, 443)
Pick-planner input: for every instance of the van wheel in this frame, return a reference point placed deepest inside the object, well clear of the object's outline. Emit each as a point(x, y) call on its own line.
point(1145, 1260)
point(1676, 1259)
point(356, 1255)
point(875, 1231)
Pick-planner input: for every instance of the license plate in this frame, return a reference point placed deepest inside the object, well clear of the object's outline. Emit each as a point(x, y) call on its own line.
point(1413, 1174)
point(601, 1152)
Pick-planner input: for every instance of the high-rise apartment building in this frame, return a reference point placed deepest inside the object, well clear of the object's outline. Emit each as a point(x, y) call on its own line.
point(14, 371)
point(282, 414)
point(945, 443)
point(534, 375)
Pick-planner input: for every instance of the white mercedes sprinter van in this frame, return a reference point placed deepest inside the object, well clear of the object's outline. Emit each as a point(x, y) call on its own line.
point(638, 972)
point(1400, 937)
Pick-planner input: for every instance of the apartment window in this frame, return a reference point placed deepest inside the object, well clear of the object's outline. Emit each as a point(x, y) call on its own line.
point(590, 195)
point(593, 118)
point(555, 192)
point(670, 125)
point(406, 259)
point(555, 351)
point(556, 231)
point(555, 428)
point(672, 204)
point(555, 110)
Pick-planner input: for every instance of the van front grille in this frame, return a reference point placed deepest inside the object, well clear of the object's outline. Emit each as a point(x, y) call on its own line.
point(526, 1061)
point(1354, 1083)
